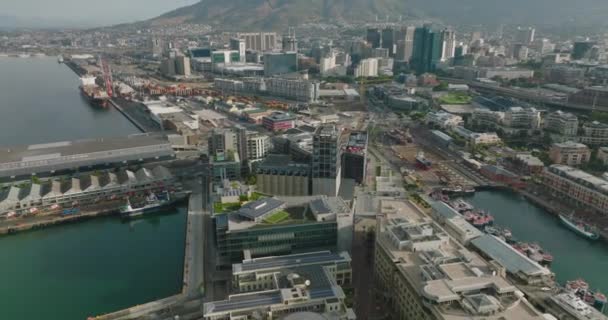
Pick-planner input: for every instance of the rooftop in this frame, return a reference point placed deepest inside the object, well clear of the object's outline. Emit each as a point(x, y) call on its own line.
point(280, 116)
point(40, 155)
point(275, 262)
point(508, 257)
point(581, 177)
point(452, 281)
point(256, 209)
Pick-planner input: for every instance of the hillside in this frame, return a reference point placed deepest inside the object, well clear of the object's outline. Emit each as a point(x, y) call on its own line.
point(277, 14)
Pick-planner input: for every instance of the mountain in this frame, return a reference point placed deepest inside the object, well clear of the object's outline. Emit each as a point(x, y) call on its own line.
point(549, 13)
point(277, 14)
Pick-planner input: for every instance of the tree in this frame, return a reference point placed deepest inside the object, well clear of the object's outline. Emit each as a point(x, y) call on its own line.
point(442, 86)
point(252, 180)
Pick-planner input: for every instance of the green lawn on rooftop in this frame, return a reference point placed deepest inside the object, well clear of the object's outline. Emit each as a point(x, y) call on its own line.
point(456, 98)
point(277, 217)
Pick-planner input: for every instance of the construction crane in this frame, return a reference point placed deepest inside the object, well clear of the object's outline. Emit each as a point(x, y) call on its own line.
point(107, 77)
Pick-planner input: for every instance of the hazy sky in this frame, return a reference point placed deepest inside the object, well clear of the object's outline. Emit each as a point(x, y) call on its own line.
point(97, 11)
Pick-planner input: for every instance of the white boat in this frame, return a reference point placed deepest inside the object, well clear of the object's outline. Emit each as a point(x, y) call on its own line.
point(60, 59)
point(153, 203)
point(580, 228)
point(573, 305)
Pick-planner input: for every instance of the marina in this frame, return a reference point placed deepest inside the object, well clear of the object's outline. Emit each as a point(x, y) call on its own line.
point(574, 256)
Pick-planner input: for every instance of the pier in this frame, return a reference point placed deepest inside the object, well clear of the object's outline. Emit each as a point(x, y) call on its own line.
point(136, 123)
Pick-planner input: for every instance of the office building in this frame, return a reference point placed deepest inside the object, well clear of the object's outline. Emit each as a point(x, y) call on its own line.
point(582, 49)
point(374, 37)
point(561, 123)
point(182, 66)
point(569, 153)
point(512, 121)
point(388, 40)
point(293, 287)
point(367, 68)
point(428, 49)
point(277, 174)
point(199, 52)
point(266, 227)
point(423, 273)
point(167, 67)
point(326, 168)
point(224, 140)
point(594, 134)
point(276, 63)
point(354, 157)
point(156, 46)
point(290, 42)
point(596, 96)
point(239, 45)
point(258, 146)
point(444, 120)
point(525, 35)
point(294, 89)
point(405, 44)
point(279, 121)
point(566, 75)
point(449, 44)
point(577, 187)
point(259, 41)
point(225, 57)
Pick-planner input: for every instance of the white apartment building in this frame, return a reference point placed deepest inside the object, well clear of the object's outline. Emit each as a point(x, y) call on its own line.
point(367, 68)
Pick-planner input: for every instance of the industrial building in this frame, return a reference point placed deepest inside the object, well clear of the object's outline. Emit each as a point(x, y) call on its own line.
point(279, 175)
point(300, 286)
point(56, 157)
point(326, 161)
point(83, 190)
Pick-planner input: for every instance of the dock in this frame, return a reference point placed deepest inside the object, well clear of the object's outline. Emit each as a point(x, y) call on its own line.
point(188, 302)
point(136, 123)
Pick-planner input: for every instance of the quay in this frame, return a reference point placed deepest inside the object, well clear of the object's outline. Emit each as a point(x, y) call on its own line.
point(54, 221)
point(187, 303)
point(136, 123)
point(75, 67)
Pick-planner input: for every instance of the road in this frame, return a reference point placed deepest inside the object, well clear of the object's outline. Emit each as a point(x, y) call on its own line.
point(194, 260)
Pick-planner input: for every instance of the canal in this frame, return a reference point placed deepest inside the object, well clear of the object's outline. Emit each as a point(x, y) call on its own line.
point(74, 271)
point(575, 257)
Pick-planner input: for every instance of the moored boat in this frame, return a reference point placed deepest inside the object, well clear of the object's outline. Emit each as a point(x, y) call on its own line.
point(153, 203)
point(580, 228)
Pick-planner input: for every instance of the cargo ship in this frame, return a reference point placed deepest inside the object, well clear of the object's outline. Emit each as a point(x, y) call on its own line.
point(95, 95)
point(422, 162)
point(153, 203)
point(580, 228)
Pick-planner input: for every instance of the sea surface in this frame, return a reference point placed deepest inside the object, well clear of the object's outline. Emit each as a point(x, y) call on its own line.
point(40, 102)
point(574, 256)
point(89, 268)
